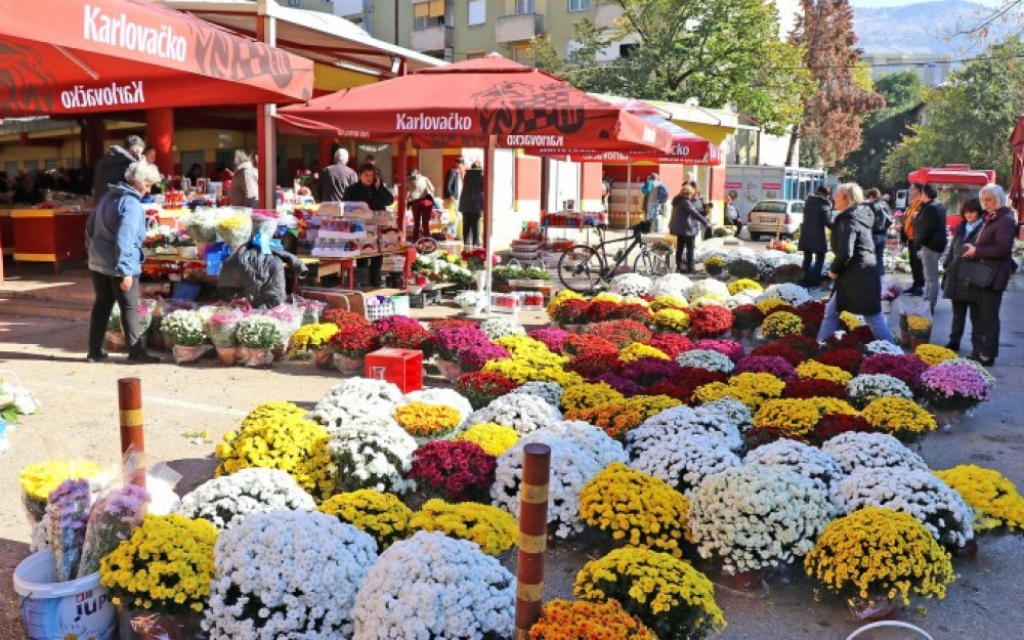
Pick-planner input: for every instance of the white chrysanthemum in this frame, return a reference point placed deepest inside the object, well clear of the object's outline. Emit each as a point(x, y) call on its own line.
point(754, 517)
point(499, 327)
point(287, 574)
point(705, 359)
point(866, 387)
point(736, 414)
point(672, 284)
point(433, 586)
point(855, 451)
point(594, 441)
point(224, 500)
point(354, 400)
point(714, 288)
point(550, 392)
point(883, 347)
point(373, 458)
point(919, 493)
point(794, 294)
point(810, 462)
point(444, 397)
point(631, 285)
point(571, 469)
point(523, 412)
point(741, 298)
point(681, 456)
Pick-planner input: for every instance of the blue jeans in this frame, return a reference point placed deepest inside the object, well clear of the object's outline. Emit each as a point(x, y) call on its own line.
point(879, 327)
point(654, 215)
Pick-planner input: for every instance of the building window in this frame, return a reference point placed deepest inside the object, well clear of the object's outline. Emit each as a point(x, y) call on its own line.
point(626, 49)
point(477, 12)
point(473, 55)
point(579, 5)
point(523, 54)
point(428, 15)
point(526, 6)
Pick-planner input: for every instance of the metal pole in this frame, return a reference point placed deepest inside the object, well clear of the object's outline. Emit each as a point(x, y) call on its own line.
point(129, 401)
point(489, 199)
point(533, 536)
point(629, 189)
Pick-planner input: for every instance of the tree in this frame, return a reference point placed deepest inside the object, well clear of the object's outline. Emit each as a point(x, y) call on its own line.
point(884, 128)
point(970, 118)
point(717, 51)
point(831, 128)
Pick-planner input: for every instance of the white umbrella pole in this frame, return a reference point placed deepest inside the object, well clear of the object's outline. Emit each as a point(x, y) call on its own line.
point(489, 215)
point(629, 189)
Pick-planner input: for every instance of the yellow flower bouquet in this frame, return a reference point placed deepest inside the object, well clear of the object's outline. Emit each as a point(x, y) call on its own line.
point(667, 302)
point(638, 350)
point(670, 319)
point(667, 594)
point(566, 620)
point(276, 436)
point(639, 510)
point(422, 420)
point(493, 438)
point(899, 417)
point(312, 337)
point(587, 395)
point(795, 416)
point(166, 565)
point(819, 371)
point(495, 530)
point(745, 284)
point(879, 554)
point(920, 326)
point(933, 354)
point(381, 515)
point(781, 324)
point(40, 479)
point(998, 506)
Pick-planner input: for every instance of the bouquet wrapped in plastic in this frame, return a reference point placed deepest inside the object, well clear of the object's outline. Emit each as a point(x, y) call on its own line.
point(265, 221)
point(112, 519)
point(290, 318)
point(202, 225)
point(222, 325)
point(311, 309)
point(235, 229)
point(68, 512)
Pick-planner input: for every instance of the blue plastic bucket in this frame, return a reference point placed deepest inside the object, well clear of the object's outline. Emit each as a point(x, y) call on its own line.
point(58, 610)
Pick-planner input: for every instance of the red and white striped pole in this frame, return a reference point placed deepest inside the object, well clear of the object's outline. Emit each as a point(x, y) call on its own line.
point(129, 401)
point(533, 536)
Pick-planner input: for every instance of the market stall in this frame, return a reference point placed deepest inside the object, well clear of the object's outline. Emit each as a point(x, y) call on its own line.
point(49, 235)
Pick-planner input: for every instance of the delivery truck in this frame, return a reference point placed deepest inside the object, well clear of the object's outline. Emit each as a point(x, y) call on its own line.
point(749, 184)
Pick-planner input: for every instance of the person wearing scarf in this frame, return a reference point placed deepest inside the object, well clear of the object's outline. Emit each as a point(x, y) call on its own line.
point(962, 295)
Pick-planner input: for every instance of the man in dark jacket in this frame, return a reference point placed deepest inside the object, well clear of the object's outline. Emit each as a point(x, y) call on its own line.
point(471, 204)
point(817, 211)
point(858, 287)
point(930, 241)
point(110, 170)
point(114, 235)
point(371, 189)
point(453, 181)
point(883, 220)
point(335, 178)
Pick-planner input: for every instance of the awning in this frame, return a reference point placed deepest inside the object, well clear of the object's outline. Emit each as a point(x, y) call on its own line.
point(75, 57)
point(687, 148)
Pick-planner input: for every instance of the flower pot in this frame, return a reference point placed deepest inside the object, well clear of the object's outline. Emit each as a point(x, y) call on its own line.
point(227, 356)
point(185, 355)
point(742, 580)
point(255, 358)
point(324, 358)
point(872, 609)
point(154, 625)
point(969, 550)
point(450, 370)
point(114, 342)
point(279, 352)
point(946, 419)
point(348, 366)
point(53, 610)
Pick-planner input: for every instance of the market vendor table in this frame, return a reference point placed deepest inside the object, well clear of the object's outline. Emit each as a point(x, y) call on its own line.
point(48, 235)
point(6, 232)
point(347, 266)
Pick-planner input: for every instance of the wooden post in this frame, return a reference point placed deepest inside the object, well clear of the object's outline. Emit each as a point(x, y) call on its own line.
point(129, 401)
point(533, 536)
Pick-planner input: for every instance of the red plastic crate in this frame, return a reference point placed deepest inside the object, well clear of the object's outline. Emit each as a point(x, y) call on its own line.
point(403, 367)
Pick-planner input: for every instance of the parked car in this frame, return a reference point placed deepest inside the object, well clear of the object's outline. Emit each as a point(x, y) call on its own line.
point(771, 217)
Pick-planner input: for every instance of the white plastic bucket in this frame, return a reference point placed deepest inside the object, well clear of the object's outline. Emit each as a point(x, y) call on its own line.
point(58, 610)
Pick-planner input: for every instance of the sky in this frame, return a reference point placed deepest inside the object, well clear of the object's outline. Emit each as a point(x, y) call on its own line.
point(899, 3)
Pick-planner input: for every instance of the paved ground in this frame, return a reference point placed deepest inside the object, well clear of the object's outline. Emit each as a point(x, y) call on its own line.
point(79, 404)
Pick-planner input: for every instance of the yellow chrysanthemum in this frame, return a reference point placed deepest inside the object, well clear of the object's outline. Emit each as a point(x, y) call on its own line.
point(565, 620)
point(745, 284)
point(899, 417)
point(493, 529)
point(815, 369)
point(766, 305)
point(667, 302)
point(381, 515)
point(637, 350)
point(996, 502)
point(781, 324)
point(494, 439)
point(933, 354)
point(424, 420)
point(671, 319)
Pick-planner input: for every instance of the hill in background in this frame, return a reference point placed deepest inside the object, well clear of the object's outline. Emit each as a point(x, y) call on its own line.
point(925, 28)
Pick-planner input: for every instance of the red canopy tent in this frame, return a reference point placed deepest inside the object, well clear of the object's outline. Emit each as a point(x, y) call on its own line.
point(485, 102)
point(116, 55)
point(1017, 174)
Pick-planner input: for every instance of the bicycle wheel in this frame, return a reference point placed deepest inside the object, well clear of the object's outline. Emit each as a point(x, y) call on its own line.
point(580, 269)
point(648, 265)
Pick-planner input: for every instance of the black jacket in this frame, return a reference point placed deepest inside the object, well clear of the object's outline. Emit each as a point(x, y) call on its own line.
point(472, 198)
point(378, 198)
point(995, 245)
point(952, 287)
point(110, 170)
point(453, 184)
point(686, 219)
point(334, 180)
point(817, 210)
point(259, 278)
point(930, 227)
point(883, 217)
point(858, 287)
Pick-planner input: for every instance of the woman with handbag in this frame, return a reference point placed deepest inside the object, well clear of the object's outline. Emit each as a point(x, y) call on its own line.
point(962, 295)
point(989, 263)
point(685, 224)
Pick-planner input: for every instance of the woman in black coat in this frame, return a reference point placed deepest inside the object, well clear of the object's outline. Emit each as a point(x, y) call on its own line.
point(958, 291)
point(858, 286)
point(471, 203)
point(993, 247)
point(817, 211)
point(371, 189)
point(685, 224)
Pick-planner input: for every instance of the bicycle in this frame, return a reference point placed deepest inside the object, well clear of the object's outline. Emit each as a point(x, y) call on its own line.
point(583, 268)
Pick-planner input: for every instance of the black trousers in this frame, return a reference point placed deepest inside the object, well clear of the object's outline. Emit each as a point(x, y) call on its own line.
point(108, 293)
point(471, 228)
point(916, 267)
point(684, 244)
point(956, 330)
point(880, 253)
point(814, 261)
point(988, 319)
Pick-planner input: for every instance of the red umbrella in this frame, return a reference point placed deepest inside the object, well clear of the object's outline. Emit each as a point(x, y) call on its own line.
point(463, 104)
point(116, 55)
point(687, 148)
point(1017, 177)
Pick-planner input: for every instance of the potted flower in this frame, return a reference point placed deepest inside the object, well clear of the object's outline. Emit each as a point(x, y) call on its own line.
point(381, 515)
point(257, 336)
point(874, 555)
point(352, 343)
point(187, 332)
point(427, 421)
point(448, 342)
point(222, 326)
point(453, 470)
point(953, 388)
point(162, 572)
point(224, 501)
point(579, 619)
point(481, 387)
point(472, 302)
point(998, 506)
point(494, 530)
point(781, 324)
point(311, 340)
point(417, 281)
point(714, 265)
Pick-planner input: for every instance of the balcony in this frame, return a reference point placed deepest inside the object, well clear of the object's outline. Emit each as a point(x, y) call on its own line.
point(347, 8)
point(518, 28)
point(606, 14)
point(435, 38)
